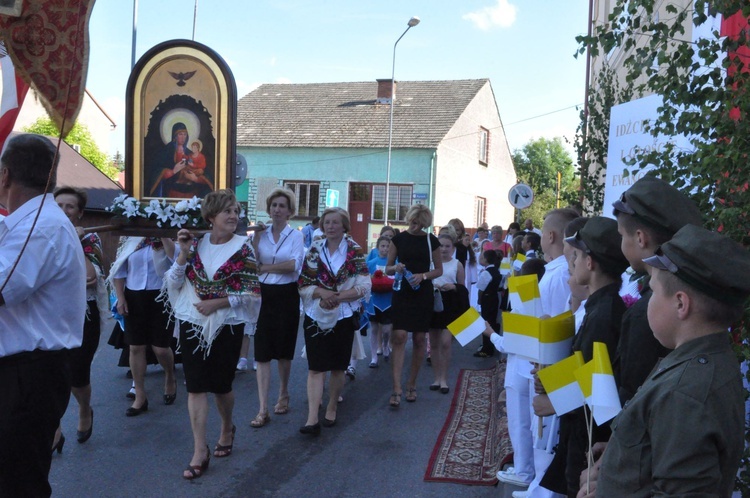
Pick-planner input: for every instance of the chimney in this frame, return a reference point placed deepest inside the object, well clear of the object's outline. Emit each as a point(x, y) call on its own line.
point(384, 91)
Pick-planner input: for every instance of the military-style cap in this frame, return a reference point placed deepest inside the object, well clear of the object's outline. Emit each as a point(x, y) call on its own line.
point(600, 239)
point(712, 263)
point(659, 204)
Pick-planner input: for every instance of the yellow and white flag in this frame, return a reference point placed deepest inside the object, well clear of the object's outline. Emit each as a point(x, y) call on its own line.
point(521, 335)
point(467, 327)
point(519, 261)
point(556, 338)
point(583, 376)
point(524, 295)
point(505, 266)
point(560, 383)
point(606, 401)
point(597, 381)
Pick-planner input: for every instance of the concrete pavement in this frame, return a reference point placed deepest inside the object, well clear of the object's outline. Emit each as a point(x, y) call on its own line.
point(372, 451)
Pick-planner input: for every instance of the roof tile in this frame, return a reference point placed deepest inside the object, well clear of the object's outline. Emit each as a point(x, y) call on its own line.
point(346, 115)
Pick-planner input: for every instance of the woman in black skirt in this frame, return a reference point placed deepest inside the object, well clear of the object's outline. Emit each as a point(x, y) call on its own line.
point(213, 290)
point(279, 250)
point(440, 337)
point(412, 304)
point(73, 202)
point(334, 279)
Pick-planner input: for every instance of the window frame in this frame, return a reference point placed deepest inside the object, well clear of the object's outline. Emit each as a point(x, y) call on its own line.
point(480, 208)
point(484, 146)
point(308, 184)
point(397, 193)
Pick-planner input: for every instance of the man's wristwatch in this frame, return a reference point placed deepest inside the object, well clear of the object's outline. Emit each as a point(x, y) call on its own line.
point(424, 276)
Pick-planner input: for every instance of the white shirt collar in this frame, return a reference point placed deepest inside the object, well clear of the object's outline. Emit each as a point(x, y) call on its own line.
point(24, 210)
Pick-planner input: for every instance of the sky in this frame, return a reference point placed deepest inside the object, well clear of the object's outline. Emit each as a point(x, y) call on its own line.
point(525, 47)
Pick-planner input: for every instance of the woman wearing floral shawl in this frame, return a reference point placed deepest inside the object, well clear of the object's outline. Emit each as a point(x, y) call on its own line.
point(73, 201)
point(213, 290)
point(334, 279)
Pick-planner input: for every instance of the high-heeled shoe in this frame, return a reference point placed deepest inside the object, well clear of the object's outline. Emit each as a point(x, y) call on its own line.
point(59, 446)
point(224, 450)
point(311, 430)
point(196, 471)
point(133, 411)
point(169, 398)
point(84, 436)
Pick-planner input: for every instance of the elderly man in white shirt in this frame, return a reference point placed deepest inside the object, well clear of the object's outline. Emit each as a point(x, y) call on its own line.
point(42, 308)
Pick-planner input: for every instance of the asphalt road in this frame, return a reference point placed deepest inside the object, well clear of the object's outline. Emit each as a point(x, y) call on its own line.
point(372, 451)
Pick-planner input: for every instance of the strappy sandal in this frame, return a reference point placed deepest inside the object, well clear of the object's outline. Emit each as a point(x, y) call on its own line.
point(411, 394)
point(196, 471)
point(395, 401)
point(224, 450)
point(282, 406)
point(260, 420)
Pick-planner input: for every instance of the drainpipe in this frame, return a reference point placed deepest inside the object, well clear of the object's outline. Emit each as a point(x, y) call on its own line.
point(431, 198)
point(585, 125)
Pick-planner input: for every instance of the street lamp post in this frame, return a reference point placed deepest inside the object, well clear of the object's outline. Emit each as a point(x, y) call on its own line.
point(412, 22)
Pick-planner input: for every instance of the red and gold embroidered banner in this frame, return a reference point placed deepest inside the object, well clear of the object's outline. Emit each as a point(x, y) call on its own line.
point(49, 45)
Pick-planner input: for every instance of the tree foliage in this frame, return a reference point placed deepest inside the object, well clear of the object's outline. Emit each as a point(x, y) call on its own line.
point(592, 137)
point(537, 164)
point(704, 85)
point(79, 135)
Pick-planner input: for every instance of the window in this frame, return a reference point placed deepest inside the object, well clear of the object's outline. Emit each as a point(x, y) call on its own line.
point(398, 203)
point(308, 196)
point(484, 145)
point(359, 192)
point(481, 210)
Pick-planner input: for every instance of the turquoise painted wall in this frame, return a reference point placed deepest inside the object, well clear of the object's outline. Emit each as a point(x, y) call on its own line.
point(335, 168)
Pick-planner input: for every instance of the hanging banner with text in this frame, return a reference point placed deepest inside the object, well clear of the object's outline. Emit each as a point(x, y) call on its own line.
point(627, 136)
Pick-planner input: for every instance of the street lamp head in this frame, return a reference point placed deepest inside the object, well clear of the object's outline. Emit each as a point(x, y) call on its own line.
point(413, 21)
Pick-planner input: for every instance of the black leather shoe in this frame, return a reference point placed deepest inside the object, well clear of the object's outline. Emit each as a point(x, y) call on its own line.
point(328, 423)
point(83, 436)
point(134, 412)
point(59, 446)
point(169, 398)
point(312, 430)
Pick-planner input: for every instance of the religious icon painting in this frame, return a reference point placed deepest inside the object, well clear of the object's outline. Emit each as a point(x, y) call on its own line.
point(180, 124)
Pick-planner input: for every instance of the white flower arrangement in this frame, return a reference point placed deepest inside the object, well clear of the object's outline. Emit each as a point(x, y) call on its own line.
point(185, 212)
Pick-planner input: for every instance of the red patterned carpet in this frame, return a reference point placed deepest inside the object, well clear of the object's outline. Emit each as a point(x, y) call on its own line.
point(474, 442)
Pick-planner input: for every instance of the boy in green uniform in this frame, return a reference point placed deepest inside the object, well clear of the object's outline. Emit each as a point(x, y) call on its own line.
point(682, 432)
point(648, 214)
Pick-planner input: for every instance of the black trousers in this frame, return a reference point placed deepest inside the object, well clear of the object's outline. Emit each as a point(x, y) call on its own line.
point(34, 394)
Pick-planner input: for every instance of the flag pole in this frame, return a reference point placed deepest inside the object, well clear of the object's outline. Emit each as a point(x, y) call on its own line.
point(589, 455)
point(135, 31)
point(195, 17)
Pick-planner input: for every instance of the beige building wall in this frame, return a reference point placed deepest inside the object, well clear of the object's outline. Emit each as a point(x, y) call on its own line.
point(616, 58)
point(460, 177)
point(91, 115)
